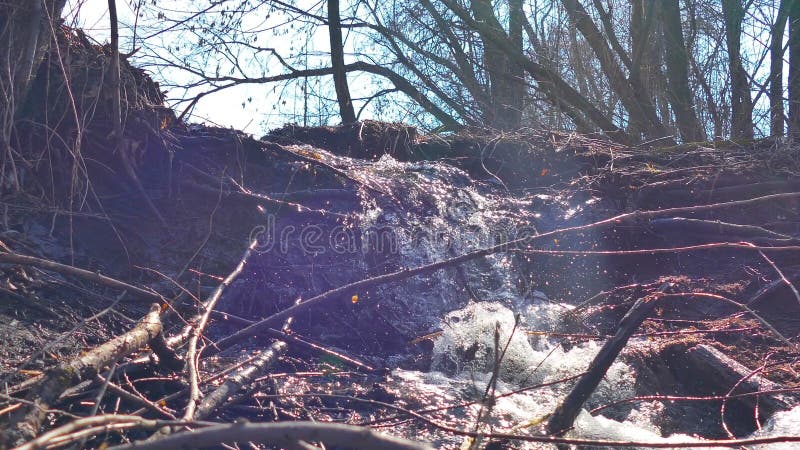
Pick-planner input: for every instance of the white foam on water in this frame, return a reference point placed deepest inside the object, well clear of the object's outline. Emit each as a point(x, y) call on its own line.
point(785, 423)
point(506, 413)
point(463, 362)
point(602, 428)
point(467, 344)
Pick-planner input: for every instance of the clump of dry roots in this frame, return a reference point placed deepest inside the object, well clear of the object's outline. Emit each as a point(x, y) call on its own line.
point(63, 142)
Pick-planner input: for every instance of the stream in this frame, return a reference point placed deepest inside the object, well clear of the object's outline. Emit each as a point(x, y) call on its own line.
point(440, 335)
point(489, 346)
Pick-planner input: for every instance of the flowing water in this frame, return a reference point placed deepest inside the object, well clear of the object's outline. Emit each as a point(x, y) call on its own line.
point(404, 215)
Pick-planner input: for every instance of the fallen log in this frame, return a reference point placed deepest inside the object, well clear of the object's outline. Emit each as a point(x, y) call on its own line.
point(566, 413)
point(25, 422)
point(244, 376)
point(707, 370)
point(280, 433)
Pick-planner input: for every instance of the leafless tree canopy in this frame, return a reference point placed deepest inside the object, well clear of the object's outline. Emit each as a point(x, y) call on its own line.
point(636, 70)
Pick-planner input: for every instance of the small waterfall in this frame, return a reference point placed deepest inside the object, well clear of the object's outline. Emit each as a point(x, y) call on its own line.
point(395, 215)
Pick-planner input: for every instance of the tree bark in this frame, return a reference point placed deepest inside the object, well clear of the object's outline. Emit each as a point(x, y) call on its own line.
point(116, 109)
point(714, 373)
point(25, 37)
point(777, 115)
point(794, 67)
point(242, 377)
point(741, 101)
point(24, 423)
point(516, 73)
point(505, 86)
point(677, 62)
point(337, 63)
point(566, 413)
point(640, 31)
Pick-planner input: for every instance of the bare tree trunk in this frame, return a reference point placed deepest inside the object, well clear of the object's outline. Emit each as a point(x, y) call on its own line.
point(337, 63)
point(466, 70)
point(777, 115)
point(710, 106)
point(25, 37)
point(116, 110)
point(741, 101)
point(640, 29)
point(677, 63)
point(516, 73)
point(506, 83)
point(794, 68)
